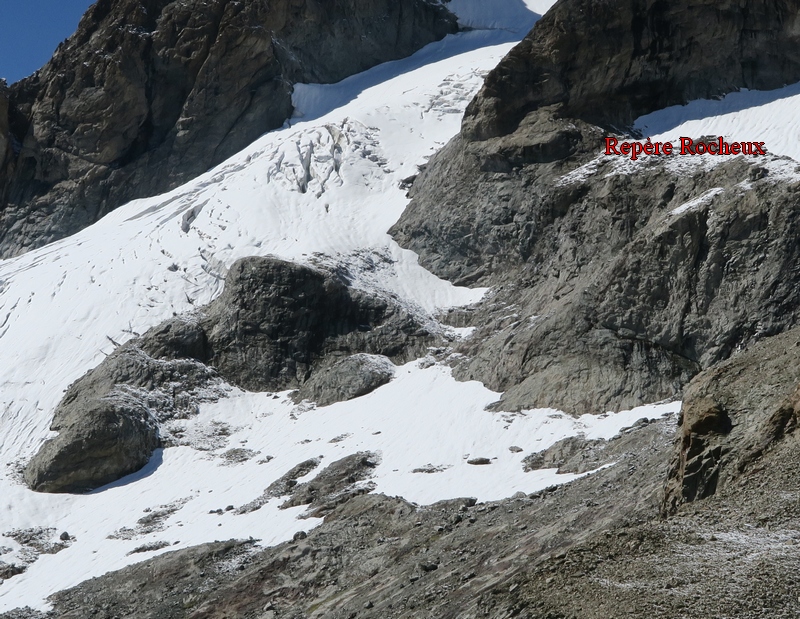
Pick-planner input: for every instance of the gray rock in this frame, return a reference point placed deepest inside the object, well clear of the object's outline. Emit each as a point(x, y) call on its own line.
point(616, 300)
point(5, 142)
point(599, 322)
point(276, 322)
point(274, 325)
point(645, 66)
point(732, 415)
point(107, 439)
point(108, 420)
point(335, 484)
point(574, 454)
point(145, 96)
point(350, 378)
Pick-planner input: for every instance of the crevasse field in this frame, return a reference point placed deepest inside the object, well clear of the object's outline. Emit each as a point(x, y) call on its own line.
point(323, 190)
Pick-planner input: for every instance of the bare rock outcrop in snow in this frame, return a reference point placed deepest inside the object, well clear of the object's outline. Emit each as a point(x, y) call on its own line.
point(615, 282)
point(350, 378)
point(275, 325)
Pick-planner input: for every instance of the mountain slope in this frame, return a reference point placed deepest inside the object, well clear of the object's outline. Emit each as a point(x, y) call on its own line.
point(356, 508)
point(147, 95)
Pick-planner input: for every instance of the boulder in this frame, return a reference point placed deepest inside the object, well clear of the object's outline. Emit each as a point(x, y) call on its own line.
point(732, 415)
point(108, 420)
point(350, 378)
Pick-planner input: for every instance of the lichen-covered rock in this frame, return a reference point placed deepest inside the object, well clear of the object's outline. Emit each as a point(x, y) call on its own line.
point(350, 378)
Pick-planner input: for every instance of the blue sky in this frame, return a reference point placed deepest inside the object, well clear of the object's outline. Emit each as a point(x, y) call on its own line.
point(30, 31)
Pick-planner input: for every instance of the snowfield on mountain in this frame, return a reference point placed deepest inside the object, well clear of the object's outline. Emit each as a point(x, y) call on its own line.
point(322, 191)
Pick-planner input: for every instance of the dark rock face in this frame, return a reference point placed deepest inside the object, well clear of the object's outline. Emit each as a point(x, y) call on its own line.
point(617, 299)
point(274, 324)
point(732, 414)
point(604, 298)
point(146, 95)
point(276, 321)
point(350, 378)
point(5, 142)
point(610, 62)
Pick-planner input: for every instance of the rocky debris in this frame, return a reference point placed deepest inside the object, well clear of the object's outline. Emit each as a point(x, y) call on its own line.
point(432, 468)
point(147, 95)
point(33, 542)
point(479, 461)
point(282, 486)
point(152, 521)
point(732, 415)
point(150, 547)
point(574, 454)
point(335, 484)
point(350, 378)
point(238, 455)
point(531, 557)
point(609, 63)
point(272, 324)
point(594, 548)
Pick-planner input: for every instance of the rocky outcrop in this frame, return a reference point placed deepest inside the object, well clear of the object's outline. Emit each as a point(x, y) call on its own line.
point(614, 284)
point(574, 454)
point(336, 484)
point(273, 326)
point(276, 322)
point(732, 415)
point(608, 63)
point(146, 95)
point(108, 421)
point(350, 378)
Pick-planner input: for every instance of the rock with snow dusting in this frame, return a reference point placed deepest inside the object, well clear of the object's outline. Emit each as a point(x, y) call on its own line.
point(107, 422)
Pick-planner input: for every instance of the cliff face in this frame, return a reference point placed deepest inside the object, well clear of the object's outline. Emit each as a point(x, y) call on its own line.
point(611, 62)
point(620, 293)
point(146, 95)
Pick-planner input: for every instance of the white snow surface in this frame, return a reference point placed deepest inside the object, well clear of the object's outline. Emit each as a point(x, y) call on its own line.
point(323, 190)
point(745, 116)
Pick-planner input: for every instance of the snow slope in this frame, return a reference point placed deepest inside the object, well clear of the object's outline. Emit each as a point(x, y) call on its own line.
point(744, 116)
point(322, 190)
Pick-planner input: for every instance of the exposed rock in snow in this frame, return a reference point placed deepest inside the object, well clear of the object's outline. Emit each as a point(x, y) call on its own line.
point(347, 379)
